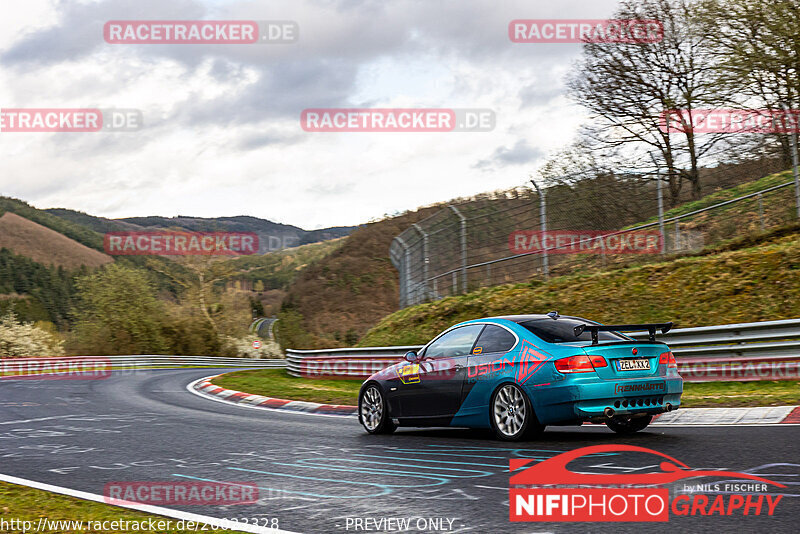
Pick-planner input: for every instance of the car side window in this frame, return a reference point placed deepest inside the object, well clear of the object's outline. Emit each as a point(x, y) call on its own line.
point(455, 343)
point(495, 339)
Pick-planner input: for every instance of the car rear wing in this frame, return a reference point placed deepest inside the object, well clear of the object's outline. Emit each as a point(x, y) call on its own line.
point(595, 328)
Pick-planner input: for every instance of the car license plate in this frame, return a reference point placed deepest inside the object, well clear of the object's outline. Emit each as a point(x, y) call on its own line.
point(640, 364)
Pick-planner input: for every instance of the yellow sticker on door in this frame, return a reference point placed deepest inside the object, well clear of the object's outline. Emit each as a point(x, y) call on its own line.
point(409, 374)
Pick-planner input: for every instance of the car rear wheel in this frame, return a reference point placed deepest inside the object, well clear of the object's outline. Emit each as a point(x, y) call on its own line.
point(627, 424)
point(512, 414)
point(374, 413)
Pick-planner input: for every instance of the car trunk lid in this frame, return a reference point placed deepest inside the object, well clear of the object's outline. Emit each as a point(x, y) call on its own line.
point(634, 359)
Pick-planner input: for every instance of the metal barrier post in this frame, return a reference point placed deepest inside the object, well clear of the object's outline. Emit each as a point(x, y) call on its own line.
point(425, 260)
point(463, 248)
point(543, 225)
point(793, 142)
point(661, 215)
point(405, 274)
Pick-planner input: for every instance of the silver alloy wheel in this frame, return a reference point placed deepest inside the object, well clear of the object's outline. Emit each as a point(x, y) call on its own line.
point(372, 408)
point(509, 410)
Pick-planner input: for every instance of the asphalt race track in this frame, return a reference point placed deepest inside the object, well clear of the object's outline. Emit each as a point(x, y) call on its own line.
point(317, 474)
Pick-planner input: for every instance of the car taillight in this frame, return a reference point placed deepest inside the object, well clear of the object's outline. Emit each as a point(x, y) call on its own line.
point(580, 364)
point(668, 359)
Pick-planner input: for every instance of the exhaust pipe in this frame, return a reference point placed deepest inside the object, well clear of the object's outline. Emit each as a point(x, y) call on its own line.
point(668, 407)
point(609, 412)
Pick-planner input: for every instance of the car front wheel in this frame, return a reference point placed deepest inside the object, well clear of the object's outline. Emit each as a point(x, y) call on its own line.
point(512, 414)
point(373, 412)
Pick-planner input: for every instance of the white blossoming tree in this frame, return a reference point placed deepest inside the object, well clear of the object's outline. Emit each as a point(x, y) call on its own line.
point(244, 347)
point(25, 340)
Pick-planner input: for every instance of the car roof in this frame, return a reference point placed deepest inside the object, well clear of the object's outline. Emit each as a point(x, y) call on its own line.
point(523, 318)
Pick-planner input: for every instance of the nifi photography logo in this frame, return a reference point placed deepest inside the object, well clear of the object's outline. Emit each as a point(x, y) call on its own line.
point(549, 492)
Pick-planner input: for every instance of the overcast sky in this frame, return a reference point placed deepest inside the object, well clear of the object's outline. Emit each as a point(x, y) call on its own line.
point(222, 134)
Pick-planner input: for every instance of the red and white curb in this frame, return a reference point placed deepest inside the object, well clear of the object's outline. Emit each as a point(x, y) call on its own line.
point(205, 388)
point(751, 416)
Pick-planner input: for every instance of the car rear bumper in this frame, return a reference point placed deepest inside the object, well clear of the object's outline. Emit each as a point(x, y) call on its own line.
point(586, 398)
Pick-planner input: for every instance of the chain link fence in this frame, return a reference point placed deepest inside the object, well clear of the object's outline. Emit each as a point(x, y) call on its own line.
point(524, 234)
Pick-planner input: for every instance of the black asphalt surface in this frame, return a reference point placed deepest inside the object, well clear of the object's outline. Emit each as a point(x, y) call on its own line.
point(318, 474)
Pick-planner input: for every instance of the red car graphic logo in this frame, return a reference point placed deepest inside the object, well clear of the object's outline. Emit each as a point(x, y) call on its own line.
point(554, 470)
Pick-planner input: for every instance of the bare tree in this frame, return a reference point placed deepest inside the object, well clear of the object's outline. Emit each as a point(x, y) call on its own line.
point(757, 44)
point(627, 87)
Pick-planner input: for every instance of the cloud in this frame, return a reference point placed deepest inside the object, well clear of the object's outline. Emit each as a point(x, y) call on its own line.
point(519, 154)
point(221, 128)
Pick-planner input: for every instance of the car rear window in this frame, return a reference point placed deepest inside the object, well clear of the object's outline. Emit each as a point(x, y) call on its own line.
point(562, 331)
point(495, 339)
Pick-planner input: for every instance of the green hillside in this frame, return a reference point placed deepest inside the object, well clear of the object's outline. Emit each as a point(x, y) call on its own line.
point(335, 300)
point(744, 283)
point(73, 230)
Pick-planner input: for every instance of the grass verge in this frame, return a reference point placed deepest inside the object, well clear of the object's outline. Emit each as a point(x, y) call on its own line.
point(21, 503)
point(277, 383)
point(761, 393)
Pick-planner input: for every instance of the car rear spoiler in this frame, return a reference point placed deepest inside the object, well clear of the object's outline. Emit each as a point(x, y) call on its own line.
point(595, 328)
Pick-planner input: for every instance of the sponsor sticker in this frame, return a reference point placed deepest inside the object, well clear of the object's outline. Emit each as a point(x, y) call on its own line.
point(640, 387)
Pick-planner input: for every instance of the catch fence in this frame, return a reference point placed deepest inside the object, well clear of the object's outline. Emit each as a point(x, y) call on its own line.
point(526, 233)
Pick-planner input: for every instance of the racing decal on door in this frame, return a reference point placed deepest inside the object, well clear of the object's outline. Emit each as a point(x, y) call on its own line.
point(525, 364)
point(529, 362)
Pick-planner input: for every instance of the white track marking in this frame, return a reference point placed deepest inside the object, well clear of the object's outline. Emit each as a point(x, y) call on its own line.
point(21, 421)
point(146, 508)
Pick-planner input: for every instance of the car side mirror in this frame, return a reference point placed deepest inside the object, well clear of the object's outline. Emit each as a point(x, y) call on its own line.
point(411, 356)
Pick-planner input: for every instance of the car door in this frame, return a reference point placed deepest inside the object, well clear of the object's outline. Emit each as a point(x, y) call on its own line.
point(486, 359)
point(435, 389)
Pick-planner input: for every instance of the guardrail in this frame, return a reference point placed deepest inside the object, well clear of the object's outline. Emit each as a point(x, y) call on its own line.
point(78, 364)
point(768, 350)
point(343, 363)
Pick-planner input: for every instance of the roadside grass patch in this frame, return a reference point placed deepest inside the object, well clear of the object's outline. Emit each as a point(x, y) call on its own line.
point(733, 394)
point(28, 504)
point(278, 384)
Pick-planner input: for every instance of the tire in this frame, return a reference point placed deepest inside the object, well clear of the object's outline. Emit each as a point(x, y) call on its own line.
point(628, 425)
point(512, 414)
point(373, 412)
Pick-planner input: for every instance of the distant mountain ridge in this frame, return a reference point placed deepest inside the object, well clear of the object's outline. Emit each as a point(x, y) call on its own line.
point(272, 236)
